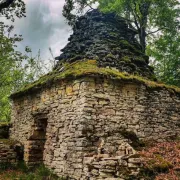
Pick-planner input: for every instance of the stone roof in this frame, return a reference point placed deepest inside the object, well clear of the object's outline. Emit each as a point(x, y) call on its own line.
point(88, 68)
point(102, 45)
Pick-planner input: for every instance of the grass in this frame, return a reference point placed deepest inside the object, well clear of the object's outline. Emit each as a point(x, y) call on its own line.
point(22, 172)
point(89, 68)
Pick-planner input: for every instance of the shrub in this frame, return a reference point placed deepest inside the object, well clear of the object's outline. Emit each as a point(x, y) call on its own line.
point(162, 161)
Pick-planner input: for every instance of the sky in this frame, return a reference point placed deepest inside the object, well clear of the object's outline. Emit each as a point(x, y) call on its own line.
point(43, 27)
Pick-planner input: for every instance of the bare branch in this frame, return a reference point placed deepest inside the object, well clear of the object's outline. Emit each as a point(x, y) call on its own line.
point(149, 33)
point(88, 5)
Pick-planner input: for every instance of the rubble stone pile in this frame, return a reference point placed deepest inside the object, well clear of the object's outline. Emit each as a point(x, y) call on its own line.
point(107, 39)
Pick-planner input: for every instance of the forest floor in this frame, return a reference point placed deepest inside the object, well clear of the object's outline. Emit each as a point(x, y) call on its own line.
point(21, 172)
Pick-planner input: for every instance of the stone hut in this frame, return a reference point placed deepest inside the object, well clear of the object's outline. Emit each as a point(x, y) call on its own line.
point(86, 119)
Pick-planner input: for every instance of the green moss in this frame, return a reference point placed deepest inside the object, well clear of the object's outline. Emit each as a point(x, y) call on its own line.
point(114, 34)
point(126, 59)
point(126, 44)
point(110, 56)
point(139, 59)
point(159, 165)
point(90, 68)
point(76, 57)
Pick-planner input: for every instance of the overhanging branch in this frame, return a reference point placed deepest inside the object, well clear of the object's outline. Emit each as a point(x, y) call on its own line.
point(5, 4)
point(149, 33)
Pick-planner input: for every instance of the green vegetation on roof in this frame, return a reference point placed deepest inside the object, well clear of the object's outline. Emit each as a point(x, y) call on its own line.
point(90, 68)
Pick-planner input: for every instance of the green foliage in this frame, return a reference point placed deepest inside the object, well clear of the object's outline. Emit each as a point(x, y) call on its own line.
point(11, 8)
point(76, 6)
point(157, 25)
point(16, 69)
point(166, 53)
point(146, 16)
point(9, 62)
point(43, 171)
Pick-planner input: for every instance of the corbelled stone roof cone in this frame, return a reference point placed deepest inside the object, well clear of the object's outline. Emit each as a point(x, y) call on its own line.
point(107, 39)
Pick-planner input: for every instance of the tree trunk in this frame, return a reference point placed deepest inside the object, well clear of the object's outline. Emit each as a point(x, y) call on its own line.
point(142, 37)
point(144, 9)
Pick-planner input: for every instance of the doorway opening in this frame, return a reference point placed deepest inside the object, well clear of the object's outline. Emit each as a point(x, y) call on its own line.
point(35, 145)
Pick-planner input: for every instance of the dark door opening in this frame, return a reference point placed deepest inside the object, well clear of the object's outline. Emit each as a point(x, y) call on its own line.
point(36, 142)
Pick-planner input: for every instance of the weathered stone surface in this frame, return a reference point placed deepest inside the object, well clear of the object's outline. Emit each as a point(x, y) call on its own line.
point(92, 141)
point(90, 127)
point(10, 151)
point(107, 39)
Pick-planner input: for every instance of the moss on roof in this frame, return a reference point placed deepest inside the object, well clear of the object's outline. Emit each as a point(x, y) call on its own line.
point(90, 68)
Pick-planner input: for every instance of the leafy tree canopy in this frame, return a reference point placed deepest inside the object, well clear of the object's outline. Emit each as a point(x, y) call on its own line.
point(166, 53)
point(146, 16)
point(10, 59)
point(16, 69)
point(157, 25)
point(11, 8)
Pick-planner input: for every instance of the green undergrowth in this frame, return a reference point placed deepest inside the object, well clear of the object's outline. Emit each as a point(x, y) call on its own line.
point(21, 172)
point(90, 68)
point(161, 161)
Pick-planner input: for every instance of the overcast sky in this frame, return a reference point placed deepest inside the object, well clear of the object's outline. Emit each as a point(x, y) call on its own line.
point(43, 27)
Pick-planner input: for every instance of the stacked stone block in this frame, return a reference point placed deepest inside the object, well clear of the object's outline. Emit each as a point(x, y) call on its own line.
point(87, 121)
point(8, 152)
point(107, 38)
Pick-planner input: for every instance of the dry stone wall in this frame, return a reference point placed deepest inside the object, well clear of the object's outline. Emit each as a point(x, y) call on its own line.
point(61, 106)
point(10, 151)
point(83, 128)
point(150, 113)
